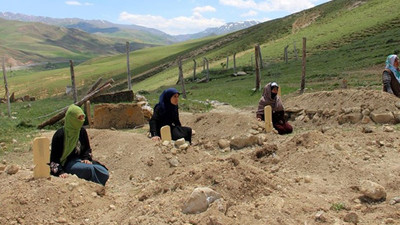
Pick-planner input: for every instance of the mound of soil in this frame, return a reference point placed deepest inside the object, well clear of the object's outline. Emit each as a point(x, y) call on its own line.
point(312, 176)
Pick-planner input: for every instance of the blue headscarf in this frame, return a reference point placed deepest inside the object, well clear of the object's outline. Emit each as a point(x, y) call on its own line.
point(167, 109)
point(390, 65)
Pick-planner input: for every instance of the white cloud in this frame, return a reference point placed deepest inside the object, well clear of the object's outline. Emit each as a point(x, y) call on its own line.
point(177, 25)
point(249, 14)
point(78, 3)
point(73, 3)
point(204, 9)
point(270, 5)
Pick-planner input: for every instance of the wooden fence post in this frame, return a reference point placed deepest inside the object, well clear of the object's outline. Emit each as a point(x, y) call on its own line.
point(227, 62)
point(258, 80)
point(194, 69)
point(71, 66)
point(261, 64)
point(182, 79)
point(6, 87)
point(208, 71)
point(303, 74)
point(234, 63)
point(295, 50)
point(127, 65)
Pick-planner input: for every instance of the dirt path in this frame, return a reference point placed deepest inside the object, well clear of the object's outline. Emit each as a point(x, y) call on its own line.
point(314, 175)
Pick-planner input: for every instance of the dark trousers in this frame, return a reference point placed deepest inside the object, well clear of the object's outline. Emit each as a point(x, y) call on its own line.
point(181, 132)
point(285, 128)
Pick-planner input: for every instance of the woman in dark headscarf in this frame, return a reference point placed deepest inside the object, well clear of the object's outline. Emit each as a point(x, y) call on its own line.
point(166, 113)
point(270, 97)
point(71, 152)
point(391, 75)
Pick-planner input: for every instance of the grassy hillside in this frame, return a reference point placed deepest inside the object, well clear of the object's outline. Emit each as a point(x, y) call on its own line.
point(36, 42)
point(345, 40)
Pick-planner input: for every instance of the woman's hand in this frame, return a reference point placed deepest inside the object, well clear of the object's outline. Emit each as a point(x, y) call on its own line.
point(156, 138)
point(86, 161)
point(258, 119)
point(63, 175)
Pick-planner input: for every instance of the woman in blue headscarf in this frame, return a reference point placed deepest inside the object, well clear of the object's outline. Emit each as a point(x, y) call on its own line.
point(166, 113)
point(391, 76)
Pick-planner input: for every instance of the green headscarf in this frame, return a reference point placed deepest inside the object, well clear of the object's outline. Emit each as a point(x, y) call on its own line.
point(72, 128)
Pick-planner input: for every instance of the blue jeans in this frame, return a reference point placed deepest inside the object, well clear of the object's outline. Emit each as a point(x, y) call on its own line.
point(92, 172)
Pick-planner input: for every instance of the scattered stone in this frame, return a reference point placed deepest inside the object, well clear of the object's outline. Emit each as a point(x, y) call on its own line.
point(112, 207)
point(165, 143)
point(338, 147)
point(351, 218)
point(173, 162)
point(372, 190)
point(324, 129)
point(397, 104)
point(223, 143)
point(179, 142)
point(394, 200)
point(62, 220)
point(367, 129)
point(388, 129)
point(243, 141)
point(320, 217)
point(199, 200)
point(366, 112)
point(12, 169)
point(184, 146)
point(382, 118)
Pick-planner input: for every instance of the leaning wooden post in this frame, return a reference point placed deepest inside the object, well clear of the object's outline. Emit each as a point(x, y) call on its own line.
point(303, 74)
point(71, 66)
point(268, 118)
point(127, 65)
point(261, 60)
point(204, 64)
point(41, 157)
point(88, 113)
point(208, 70)
point(6, 87)
point(285, 54)
point(295, 50)
point(227, 62)
point(194, 69)
point(234, 63)
point(258, 80)
point(182, 79)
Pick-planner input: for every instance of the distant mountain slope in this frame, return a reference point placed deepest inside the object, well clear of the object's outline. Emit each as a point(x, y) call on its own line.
point(224, 29)
point(130, 32)
point(25, 43)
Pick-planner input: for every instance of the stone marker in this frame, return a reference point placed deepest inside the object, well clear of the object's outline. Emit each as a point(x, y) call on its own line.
point(165, 133)
point(41, 157)
point(268, 118)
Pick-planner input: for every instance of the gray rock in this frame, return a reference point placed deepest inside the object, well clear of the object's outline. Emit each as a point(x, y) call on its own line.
point(351, 218)
point(372, 190)
point(12, 169)
point(173, 162)
point(223, 143)
point(199, 200)
point(382, 118)
point(179, 142)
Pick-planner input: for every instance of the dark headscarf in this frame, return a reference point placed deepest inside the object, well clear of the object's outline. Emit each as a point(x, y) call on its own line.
point(167, 109)
point(266, 99)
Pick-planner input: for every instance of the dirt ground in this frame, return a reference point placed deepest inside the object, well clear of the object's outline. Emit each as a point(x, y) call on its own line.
point(312, 176)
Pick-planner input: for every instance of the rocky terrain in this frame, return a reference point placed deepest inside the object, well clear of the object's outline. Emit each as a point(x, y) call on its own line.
point(339, 166)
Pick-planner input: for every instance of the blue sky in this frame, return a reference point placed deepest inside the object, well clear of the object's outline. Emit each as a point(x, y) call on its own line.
point(171, 16)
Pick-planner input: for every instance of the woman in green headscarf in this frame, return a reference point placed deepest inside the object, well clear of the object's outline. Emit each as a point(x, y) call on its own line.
point(391, 76)
point(71, 152)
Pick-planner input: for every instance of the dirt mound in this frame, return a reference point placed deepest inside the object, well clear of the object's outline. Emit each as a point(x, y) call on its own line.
point(311, 176)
